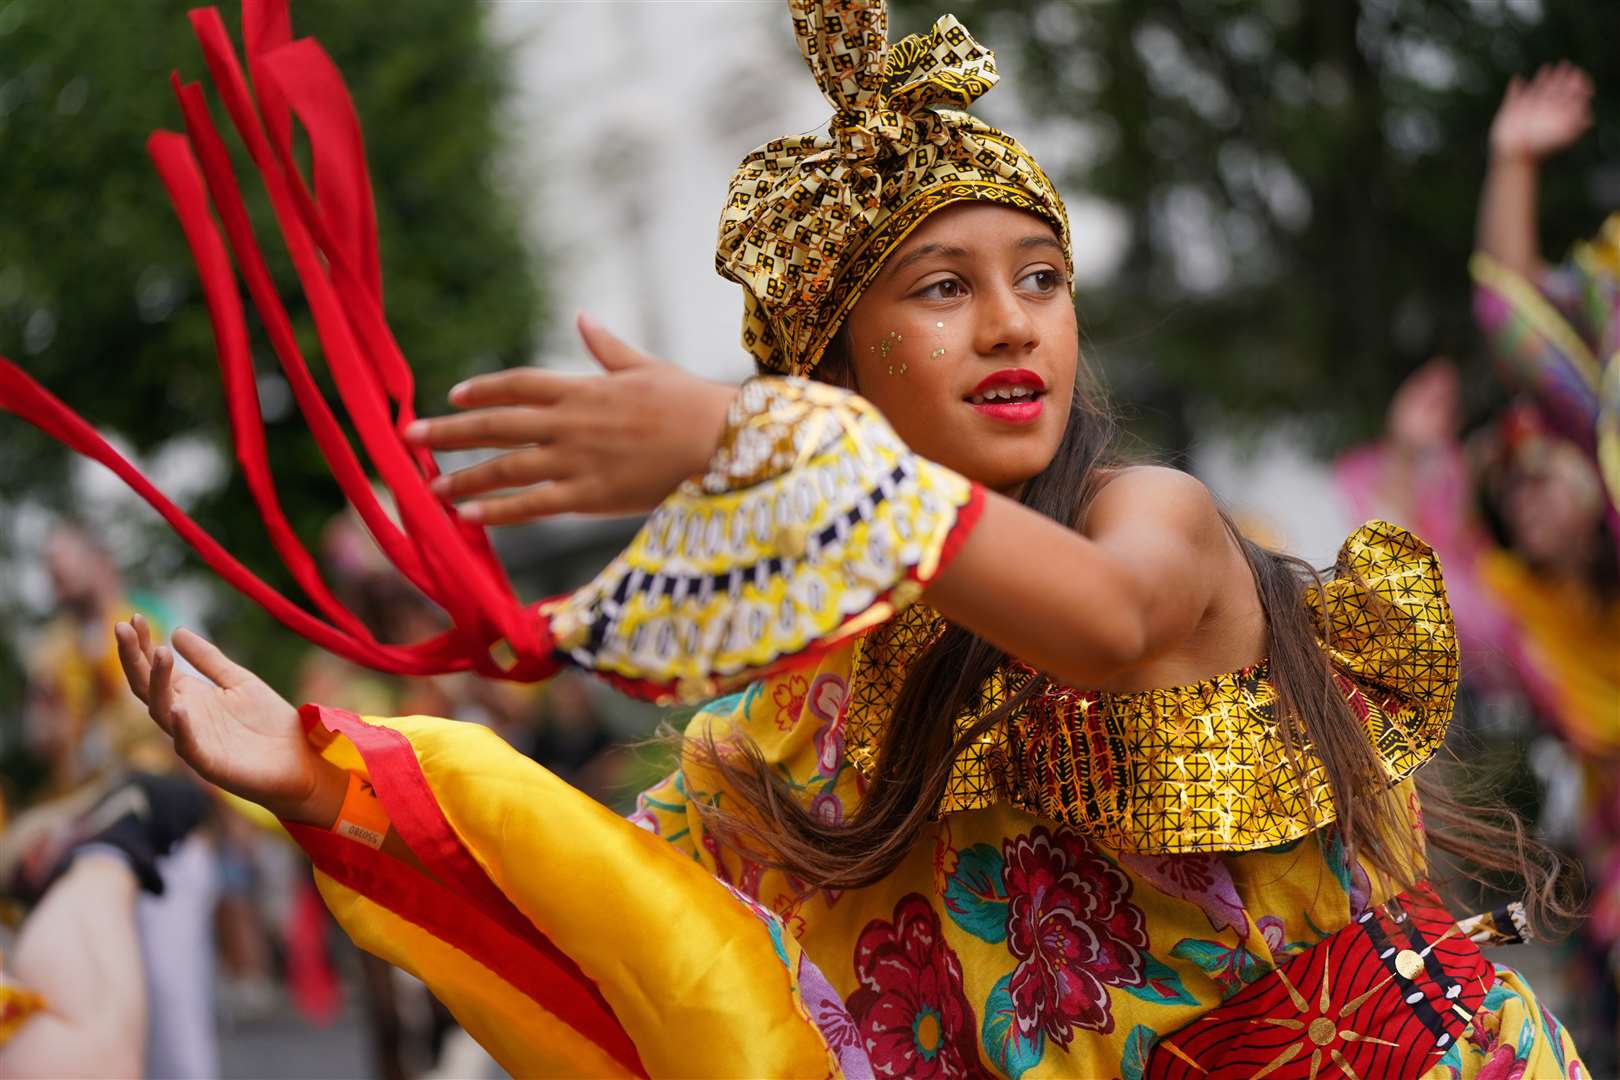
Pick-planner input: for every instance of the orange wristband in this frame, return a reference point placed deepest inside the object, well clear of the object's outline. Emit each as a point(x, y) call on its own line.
point(362, 816)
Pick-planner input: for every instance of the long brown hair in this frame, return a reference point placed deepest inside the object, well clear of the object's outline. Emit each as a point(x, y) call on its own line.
point(766, 822)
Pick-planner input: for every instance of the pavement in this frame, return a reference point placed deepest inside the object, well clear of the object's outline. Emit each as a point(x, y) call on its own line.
point(283, 1046)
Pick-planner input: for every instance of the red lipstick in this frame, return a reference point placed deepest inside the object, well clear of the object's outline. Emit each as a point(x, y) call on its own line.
point(1012, 395)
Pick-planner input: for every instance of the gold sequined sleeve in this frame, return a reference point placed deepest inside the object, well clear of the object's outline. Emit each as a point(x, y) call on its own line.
point(1387, 625)
point(812, 524)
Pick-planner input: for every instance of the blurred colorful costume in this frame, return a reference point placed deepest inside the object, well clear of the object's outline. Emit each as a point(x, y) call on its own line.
point(1114, 884)
point(75, 679)
point(1559, 338)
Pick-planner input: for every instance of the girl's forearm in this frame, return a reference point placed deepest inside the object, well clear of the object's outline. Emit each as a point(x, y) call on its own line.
point(1056, 606)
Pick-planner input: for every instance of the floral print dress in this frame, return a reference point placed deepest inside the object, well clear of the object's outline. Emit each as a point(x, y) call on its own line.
point(1011, 946)
point(1012, 943)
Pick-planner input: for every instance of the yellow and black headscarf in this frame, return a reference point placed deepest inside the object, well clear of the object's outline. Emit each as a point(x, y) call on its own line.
point(810, 219)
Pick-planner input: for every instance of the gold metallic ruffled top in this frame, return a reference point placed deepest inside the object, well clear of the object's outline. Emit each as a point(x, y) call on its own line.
point(1199, 767)
point(810, 219)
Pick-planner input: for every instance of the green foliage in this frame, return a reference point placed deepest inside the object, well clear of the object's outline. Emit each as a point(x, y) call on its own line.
point(1332, 152)
point(98, 296)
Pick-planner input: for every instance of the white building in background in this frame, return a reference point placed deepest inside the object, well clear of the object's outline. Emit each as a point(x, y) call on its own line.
point(630, 118)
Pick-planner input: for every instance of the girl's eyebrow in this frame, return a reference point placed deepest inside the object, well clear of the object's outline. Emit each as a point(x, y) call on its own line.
point(923, 251)
point(1041, 240)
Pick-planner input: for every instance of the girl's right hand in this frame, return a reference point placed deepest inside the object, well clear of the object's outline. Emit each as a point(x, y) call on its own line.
point(617, 443)
point(236, 732)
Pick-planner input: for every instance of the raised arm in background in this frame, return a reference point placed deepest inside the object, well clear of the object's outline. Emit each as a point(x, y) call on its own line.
point(1537, 119)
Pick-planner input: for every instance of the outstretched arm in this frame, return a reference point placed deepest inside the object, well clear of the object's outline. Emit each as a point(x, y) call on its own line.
point(1082, 607)
point(1537, 118)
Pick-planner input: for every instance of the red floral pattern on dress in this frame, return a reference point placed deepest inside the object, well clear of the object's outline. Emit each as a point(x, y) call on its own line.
point(826, 700)
point(787, 910)
point(788, 697)
point(828, 808)
point(914, 1019)
point(1075, 933)
point(1502, 1061)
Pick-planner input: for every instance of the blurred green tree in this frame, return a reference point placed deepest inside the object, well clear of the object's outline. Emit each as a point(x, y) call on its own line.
point(98, 296)
point(1297, 182)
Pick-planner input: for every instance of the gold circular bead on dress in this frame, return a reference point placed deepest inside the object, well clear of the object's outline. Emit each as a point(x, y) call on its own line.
point(1321, 1031)
point(1409, 964)
point(792, 539)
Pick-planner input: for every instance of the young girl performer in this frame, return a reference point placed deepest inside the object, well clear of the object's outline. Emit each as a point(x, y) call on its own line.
point(1025, 764)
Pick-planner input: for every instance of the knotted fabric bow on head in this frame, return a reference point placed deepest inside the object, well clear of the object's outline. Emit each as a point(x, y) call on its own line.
point(810, 219)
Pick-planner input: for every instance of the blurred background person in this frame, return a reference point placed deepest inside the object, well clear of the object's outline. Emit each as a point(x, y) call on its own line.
point(79, 720)
point(1554, 332)
point(1522, 519)
point(72, 998)
point(81, 725)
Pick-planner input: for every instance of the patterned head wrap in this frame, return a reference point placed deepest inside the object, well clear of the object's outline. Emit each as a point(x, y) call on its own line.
point(810, 219)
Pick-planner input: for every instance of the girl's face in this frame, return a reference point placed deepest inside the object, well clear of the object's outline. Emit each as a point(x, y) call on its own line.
point(966, 341)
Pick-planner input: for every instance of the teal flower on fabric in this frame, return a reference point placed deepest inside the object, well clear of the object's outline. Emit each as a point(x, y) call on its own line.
point(1231, 966)
point(1138, 1047)
point(1011, 1049)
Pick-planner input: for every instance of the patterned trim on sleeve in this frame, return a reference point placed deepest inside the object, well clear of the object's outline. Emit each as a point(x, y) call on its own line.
point(813, 523)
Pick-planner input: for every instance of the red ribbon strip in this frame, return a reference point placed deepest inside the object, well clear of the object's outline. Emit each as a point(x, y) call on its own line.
point(331, 236)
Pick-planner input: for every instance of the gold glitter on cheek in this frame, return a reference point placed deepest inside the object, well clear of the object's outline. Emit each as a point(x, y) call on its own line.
point(937, 353)
point(886, 346)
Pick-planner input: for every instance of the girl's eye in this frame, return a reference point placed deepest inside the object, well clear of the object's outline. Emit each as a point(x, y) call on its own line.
point(1042, 281)
point(943, 289)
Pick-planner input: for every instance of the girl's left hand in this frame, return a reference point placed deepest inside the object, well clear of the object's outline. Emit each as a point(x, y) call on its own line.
point(618, 443)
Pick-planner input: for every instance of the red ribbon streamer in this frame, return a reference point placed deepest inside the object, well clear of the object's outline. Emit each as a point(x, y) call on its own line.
point(331, 236)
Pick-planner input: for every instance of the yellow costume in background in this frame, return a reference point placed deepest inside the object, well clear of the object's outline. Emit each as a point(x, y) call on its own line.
point(74, 675)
